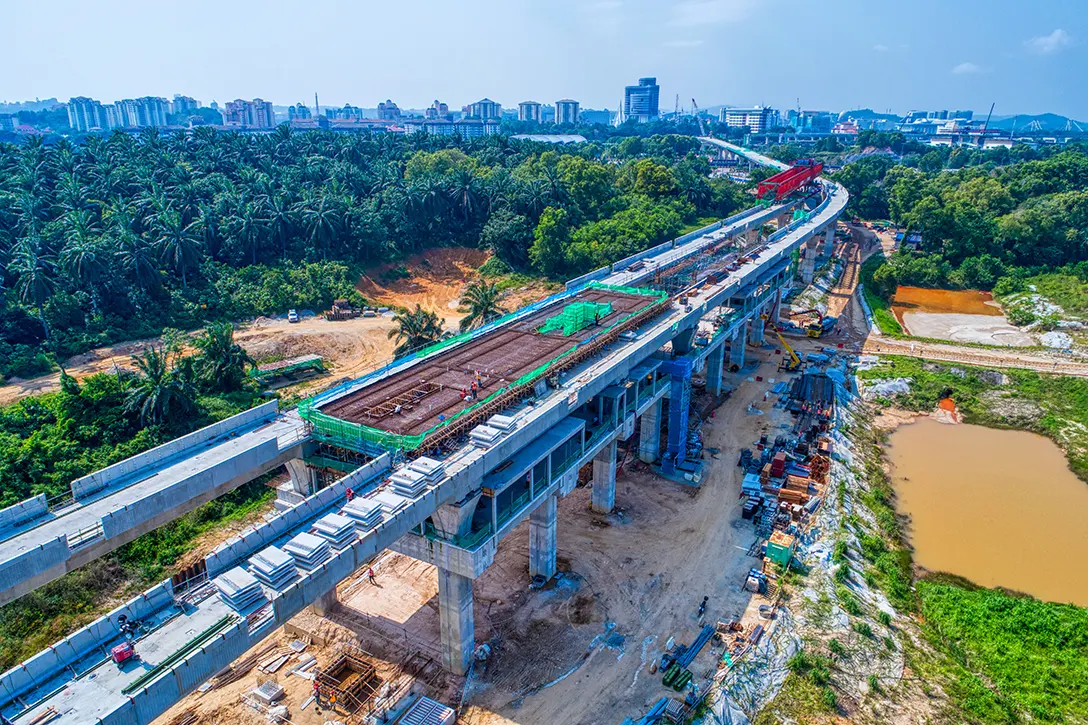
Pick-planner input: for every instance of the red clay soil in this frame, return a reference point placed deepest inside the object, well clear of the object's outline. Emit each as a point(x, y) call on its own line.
point(433, 388)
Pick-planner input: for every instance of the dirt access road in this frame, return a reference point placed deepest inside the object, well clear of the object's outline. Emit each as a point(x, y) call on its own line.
point(436, 281)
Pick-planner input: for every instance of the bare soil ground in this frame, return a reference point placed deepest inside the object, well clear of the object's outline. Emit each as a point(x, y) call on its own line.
point(350, 347)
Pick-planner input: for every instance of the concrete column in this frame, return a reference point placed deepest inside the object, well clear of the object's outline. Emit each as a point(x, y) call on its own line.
point(751, 237)
point(325, 603)
point(829, 241)
point(755, 331)
point(603, 498)
point(714, 370)
point(457, 624)
point(681, 344)
point(542, 537)
point(783, 220)
point(808, 263)
point(649, 437)
point(736, 349)
point(302, 476)
point(776, 309)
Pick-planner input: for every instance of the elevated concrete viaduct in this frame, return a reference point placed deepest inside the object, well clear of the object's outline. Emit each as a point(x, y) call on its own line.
point(471, 496)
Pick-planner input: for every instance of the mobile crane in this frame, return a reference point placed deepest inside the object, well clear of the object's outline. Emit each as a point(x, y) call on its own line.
point(792, 361)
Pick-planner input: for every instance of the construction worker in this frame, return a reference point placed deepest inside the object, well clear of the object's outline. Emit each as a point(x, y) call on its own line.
point(702, 607)
point(370, 575)
point(350, 493)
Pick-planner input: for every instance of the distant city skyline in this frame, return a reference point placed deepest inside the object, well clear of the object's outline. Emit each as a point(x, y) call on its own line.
point(736, 52)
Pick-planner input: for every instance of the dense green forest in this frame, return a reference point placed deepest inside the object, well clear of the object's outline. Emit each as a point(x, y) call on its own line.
point(124, 235)
point(981, 216)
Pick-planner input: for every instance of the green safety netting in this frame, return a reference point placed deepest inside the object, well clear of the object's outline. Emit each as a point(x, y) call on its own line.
point(362, 437)
point(577, 316)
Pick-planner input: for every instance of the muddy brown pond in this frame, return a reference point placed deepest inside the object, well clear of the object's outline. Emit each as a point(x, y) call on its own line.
point(998, 507)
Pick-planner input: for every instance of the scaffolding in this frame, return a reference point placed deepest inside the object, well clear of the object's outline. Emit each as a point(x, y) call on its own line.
point(577, 316)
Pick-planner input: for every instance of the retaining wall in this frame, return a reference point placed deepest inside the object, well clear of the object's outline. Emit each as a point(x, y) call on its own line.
point(88, 485)
point(23, 511)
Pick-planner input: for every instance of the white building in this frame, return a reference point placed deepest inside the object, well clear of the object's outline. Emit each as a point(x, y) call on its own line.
point(529, 111)
point(249, 114)
point(757, 119)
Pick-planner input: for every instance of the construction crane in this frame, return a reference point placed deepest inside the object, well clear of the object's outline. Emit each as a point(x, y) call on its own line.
point(982, 136)
point(702, 126)
point(791, 362)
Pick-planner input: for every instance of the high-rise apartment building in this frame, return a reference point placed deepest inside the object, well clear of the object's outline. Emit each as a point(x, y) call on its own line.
point(183, 104)
point(298, 112)
point(529, 111)
point(141, 112)
point(485, 109)
point(640, 103)
point(436, 111)
point(249, 114)
point(388, 111)
point(86, 114)
point(566, 111)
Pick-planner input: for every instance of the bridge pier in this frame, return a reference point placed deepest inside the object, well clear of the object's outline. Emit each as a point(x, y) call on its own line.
point(649, 437)
point(714, 363)
point(829, 241)
point(455, 519)
point(603, 498)
point(303, 478)
point(808, 262)
point(751, 237)
point(457, 623)
point(736, 349)
point(542, 537)
point(679, 370)
point(755, 329)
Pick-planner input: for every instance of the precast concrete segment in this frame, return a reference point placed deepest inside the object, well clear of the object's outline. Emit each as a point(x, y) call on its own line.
point(542, 538)
point(649, 437)
point(457, 625)
point(603, 498)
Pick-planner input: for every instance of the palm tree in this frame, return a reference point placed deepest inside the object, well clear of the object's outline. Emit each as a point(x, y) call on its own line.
point(222, 362)
point(34, 282)
point(415, 329)
point(85, 260)
point(157, 391)
point(482, 300)
point(178, 244)
point(464, 193)
point(137, 258)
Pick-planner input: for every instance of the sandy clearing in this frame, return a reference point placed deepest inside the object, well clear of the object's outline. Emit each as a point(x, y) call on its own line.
point(960, 327)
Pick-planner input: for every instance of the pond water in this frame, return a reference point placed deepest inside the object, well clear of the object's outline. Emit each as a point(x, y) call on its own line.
point(998, 507)
point(967, 302)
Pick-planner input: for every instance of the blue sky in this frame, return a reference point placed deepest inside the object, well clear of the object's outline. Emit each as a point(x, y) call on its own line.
point(831, 54)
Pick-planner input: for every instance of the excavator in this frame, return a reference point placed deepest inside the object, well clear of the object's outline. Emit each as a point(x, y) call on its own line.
point(818, 327)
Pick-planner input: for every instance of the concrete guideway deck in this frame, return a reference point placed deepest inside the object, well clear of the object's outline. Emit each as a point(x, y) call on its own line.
point(46, 548)
point(746, 291)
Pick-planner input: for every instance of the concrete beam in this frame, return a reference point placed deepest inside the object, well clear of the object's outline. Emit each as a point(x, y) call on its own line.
point(649, 437)
point(603, 499)
point(325, 603)
point(456, 620)
point(542, 537)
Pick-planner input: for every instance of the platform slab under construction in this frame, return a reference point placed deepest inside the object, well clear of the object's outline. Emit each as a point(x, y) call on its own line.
point(417, 399)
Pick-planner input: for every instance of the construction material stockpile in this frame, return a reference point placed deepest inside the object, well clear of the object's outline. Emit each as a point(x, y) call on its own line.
point(273, 567)
point(577, 316)
point(309, 551)
point(338, 530)
point(239, 589)
point(365, 512)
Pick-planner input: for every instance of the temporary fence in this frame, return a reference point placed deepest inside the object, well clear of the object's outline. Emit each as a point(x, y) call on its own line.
point(356, 436)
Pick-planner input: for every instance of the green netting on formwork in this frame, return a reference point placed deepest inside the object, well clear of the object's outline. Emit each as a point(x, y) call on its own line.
point(356, 436)
point(577, 316)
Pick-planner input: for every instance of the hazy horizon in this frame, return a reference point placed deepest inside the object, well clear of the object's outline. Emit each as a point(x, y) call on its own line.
point(732, 52)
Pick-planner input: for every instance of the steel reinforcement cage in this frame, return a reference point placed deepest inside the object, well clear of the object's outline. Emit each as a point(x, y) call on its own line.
point(359, 437)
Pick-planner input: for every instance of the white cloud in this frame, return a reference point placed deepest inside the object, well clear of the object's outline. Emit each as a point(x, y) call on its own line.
point(711, 12)
point(966, 68)
point(881, 48)
point(1049, 44)
point(683, 43)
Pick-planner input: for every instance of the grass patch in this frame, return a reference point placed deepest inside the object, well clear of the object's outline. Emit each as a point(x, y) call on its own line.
point(37, 620)
point(699, 223)
point(1052, 405)
point(806, 695)
point(1009, 658)
point(879, 304)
